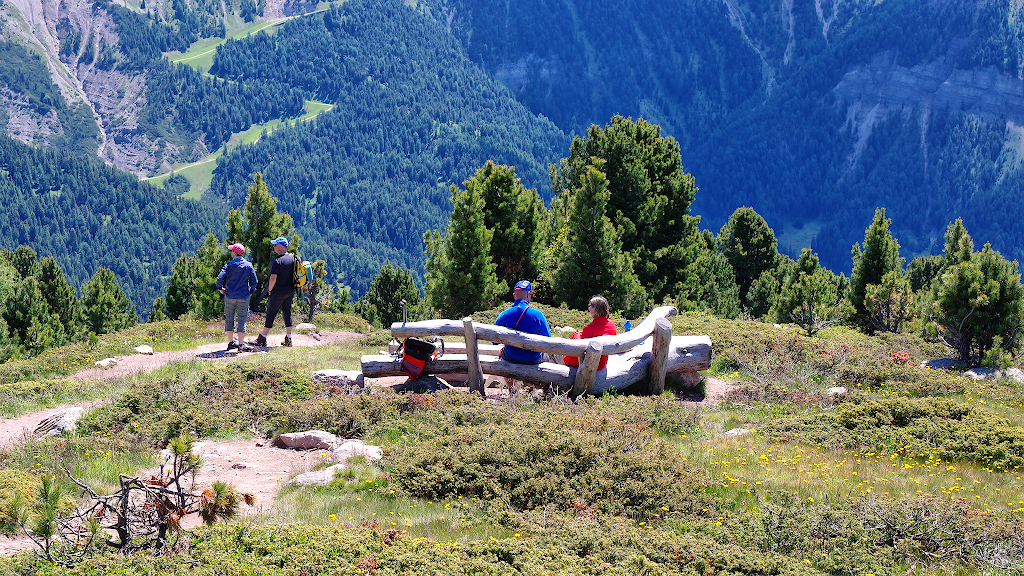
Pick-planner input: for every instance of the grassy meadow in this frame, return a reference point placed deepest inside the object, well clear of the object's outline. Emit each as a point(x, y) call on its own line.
point(912, 471)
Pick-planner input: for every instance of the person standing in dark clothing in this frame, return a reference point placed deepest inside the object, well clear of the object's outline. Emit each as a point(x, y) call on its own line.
point(281, 291)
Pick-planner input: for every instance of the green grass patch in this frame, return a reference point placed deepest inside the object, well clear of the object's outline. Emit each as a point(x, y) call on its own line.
point(27, 396)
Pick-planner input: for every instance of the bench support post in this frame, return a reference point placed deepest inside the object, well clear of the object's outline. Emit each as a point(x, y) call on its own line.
point(659, 355)
point(476, 373)
point(587, 371)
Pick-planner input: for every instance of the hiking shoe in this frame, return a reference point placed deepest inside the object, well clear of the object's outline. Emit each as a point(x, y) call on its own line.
point(232, 346)
point(287, 341)
point(245, 348)
point(261, 340)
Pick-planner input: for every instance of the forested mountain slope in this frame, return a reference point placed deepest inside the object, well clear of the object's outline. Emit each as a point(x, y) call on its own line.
point(413, 114)
point(87, 215)
point(814, 113)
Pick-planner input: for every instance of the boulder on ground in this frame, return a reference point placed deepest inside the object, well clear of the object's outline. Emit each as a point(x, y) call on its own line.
point(984, 373)
point(305, 327)
point(941, 364)
point(736, 433)
point(339, 377)
point(108, 362)
point(144, 349)
point(354, 447)
point(59, 424)
point(683, 379)
point(308, 440)
point(839, 391)
point(425, 384)
point(565, 329)
point(316, 477)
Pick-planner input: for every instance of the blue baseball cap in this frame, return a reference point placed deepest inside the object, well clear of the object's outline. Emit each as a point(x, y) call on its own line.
point(524, 285)
point(280, 240)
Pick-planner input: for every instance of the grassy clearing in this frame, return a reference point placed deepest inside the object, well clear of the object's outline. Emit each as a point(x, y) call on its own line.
point(200, 174)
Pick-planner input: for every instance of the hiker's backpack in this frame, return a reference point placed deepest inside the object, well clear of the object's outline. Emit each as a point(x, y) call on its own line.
point(415, 352)
point(302, 274)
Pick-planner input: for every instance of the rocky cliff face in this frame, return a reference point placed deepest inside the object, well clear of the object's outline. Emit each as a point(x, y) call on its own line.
point(115, 98)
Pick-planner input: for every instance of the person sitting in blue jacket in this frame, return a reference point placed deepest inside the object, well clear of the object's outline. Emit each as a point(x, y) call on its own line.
point(523, 318)
point(237, 282)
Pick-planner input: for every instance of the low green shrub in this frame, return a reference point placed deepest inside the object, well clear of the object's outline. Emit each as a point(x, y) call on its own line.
point(616, 464)
point(567, 546)
point(919, 427)
point(12, 484)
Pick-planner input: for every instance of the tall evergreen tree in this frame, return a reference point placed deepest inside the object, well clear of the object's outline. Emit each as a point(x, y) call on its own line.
point(382, 303)
point(512, 213)
point(459, 271)
point(749, 245)
point(594, 262)
point(60, 297)
point(181, 286)
point(25, 261)
point(959, 245)
point(29, 320)
point(650, 194)
point(256, 224)
point(207, 301)
point(880, 255)
point(105, 305)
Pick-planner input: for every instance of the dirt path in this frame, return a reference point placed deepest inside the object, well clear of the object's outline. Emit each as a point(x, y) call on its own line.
point(142, 363)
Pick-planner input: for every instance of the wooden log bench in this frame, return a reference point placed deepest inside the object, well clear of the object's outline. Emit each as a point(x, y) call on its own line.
point(642, 356)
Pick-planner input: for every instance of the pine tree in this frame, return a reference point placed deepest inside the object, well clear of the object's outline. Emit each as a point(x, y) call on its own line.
point(650, 195)
point(594, 262)
point(61, 298)
point(207, 301)
point(459, 271)
point(512, 213)
point(880, 255)
point(809, 298)
point(181, 286)
point(29, 320)
point(105, 305)
point(25, 261)
point(959, 245)
point(749, 244)
point(255, 225)
point(381, 305)
point(159, 310)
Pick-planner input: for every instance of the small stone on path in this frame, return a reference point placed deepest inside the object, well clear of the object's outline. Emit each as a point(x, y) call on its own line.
point(144, 349)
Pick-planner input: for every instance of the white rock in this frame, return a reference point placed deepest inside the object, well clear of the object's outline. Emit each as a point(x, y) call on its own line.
point(144, 349)
point(565, 329)
point(306, 327)
point(308, 440)
point(736, 432)
point(355, 447)
point(317, 477)
point(339, 377)
point(837, 391)
point(107, 362)
point(983, 373)
point(59, 423)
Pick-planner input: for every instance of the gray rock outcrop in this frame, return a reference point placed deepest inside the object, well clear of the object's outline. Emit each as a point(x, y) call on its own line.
point(308, 440)
point(59, 424)
point(354, 447)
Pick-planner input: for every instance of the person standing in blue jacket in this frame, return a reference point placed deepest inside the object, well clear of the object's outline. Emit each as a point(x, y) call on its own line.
point(523, 318)
point(237, 282)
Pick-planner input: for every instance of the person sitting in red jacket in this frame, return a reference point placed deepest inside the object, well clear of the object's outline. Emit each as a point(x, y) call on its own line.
point(601, 326)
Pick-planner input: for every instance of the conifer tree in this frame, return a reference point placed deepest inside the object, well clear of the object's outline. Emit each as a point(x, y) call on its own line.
point(60, 297)
point(105, 305)
point(513, 214)
point(594, 262)
point(749, 245)
point(959, 245)
point(207, 301)
point(650, 195)
point(25, 261)
point(29, 320)
point(181, 286)
point(459, 271)
point(382, 303)
point(880, 255)
point(810, 297)
point(159, 310)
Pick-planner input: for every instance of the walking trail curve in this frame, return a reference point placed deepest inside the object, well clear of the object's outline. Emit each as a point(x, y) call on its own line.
point(253, 466)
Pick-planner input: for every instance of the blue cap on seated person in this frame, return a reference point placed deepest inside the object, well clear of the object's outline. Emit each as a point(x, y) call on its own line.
point(524, 285)
point(280, 240)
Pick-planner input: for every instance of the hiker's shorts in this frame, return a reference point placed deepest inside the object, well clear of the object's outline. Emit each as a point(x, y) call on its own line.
point(279, 303)
point(236, 310)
